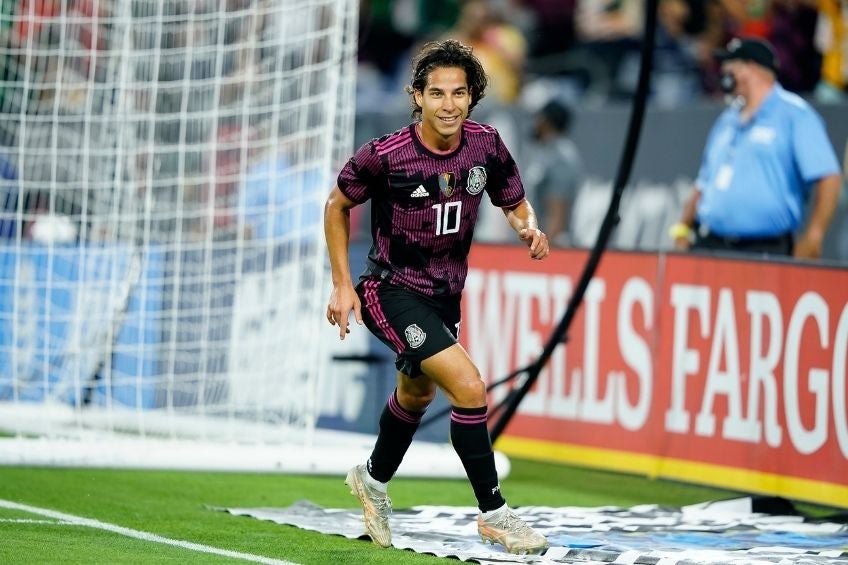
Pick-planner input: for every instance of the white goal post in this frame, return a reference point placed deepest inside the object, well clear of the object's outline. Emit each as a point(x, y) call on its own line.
point(163, 166)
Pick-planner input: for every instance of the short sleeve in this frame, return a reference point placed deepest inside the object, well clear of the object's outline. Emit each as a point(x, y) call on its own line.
point(505, 188)
point(360, 175)
point(814, 154)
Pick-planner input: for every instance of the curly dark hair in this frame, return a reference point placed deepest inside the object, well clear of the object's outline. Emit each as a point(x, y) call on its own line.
point(447, 53)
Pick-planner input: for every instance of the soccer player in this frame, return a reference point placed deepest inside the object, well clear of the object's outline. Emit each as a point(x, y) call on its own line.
point(426, 182)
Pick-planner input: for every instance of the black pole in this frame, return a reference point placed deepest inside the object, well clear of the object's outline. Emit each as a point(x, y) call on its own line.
point(610, 220)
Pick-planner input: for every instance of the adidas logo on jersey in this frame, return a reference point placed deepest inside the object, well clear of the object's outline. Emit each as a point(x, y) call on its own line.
point(420, 192)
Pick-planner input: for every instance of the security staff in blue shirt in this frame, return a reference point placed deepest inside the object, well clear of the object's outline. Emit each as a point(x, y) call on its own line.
point(763, 156)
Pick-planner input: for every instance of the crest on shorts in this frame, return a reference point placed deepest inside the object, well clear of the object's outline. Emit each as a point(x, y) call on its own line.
point(415, 336)
point(447, 183)
point(476, 180)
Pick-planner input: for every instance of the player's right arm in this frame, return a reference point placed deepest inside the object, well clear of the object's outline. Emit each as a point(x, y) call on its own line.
point(343, 298)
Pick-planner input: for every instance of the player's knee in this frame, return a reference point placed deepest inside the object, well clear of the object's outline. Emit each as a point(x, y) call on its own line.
point(416, 400)
point(469, 392)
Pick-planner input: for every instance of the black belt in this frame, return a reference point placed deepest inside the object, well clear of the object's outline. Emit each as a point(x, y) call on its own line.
point(742, 240)
point(781, 243)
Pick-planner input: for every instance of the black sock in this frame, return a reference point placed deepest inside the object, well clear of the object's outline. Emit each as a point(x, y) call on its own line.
point(471, 441)
point(397, 426)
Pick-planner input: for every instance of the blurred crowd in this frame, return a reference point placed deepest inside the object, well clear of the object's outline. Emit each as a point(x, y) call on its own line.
point(180, 102)
point(198, 147)
point(590, 48)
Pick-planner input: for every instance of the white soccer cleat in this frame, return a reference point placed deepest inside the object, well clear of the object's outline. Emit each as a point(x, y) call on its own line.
point(511, 532)
point(376, 506)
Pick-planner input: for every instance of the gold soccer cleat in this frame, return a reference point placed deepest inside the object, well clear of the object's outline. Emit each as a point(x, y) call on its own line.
point(376, 506)
point(511, 532)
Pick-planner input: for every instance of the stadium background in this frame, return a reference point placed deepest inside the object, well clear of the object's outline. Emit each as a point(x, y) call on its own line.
point(218, 312)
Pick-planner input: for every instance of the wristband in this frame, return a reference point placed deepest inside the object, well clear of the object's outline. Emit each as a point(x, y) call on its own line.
point(679, 230)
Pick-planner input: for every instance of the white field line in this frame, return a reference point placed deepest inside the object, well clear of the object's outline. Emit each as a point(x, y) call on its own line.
point(137, 534)
point(31, 521)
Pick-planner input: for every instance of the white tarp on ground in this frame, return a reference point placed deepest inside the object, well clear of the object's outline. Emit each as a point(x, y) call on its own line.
point(718, 533)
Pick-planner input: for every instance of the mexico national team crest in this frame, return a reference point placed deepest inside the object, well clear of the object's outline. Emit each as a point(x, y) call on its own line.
point(415, 336)
point(476, 180)
point(447, 182)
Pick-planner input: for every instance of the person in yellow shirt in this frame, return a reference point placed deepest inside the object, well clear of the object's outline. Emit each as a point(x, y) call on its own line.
point(832, 41)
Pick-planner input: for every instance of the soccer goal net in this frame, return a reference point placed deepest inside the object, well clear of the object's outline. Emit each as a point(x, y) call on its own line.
point(163, 166)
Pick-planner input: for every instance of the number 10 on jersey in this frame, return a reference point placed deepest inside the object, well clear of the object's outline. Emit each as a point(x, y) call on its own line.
point(448, 217)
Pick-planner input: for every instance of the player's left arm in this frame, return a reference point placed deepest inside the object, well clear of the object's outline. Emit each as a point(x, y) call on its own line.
point(817, 162)
point(523, 220)
point(825, 199)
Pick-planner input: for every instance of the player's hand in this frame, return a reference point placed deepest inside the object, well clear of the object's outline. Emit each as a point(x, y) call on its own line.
point(536, 240)
point(343, 299)
point(682, 243)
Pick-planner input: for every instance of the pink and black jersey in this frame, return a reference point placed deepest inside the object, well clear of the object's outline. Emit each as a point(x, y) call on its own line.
point(424, 205)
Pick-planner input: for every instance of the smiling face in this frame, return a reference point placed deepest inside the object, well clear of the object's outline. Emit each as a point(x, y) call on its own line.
point(444, 105)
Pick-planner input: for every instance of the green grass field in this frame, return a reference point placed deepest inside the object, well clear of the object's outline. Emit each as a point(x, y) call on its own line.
point(175, 505)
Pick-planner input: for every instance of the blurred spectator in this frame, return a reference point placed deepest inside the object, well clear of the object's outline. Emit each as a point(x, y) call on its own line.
point(437, 16)
point(717, 30)
point(592, 46)
point(37, 21)
point(696, 21)
point(793, 28)
point(91, 30)
point(725, 20)
point(388, 29)
point(750, 18)
point(79, 22)
point(27, 20)
point(608, 20)
point(552, 28)
point(609, 31)
point(676, 77)
point(500, 47)
point(832, 42)
point(552, 170)
point(789, 25)
point(381, 43)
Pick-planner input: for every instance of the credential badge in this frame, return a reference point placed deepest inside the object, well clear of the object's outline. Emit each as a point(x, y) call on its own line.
point(476, 180)
point(415, 336)
point(447, 182)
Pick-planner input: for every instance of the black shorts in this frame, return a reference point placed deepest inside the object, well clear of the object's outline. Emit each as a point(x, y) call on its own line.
point(413, 325)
